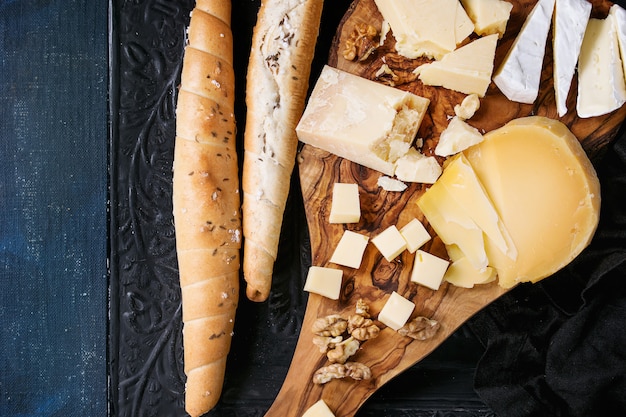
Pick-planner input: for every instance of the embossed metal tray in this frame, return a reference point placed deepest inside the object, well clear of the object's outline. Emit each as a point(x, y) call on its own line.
point(145, 351)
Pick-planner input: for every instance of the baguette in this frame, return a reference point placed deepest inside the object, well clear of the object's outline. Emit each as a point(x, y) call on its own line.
point(283, 45)
point(206, 202)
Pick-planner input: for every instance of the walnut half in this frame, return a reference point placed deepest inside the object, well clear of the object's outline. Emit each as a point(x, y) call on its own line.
point(363, 41)
point(420, 328)
point(354, 370)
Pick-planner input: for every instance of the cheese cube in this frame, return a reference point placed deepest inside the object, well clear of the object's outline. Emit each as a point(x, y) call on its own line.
point(430, 28)
point(390, 243)
point(489, 16)
point(324, 281)
point(345, 207)
point(361, 120)
point(519, 74)
point(415, 235)
point(396, 311)
point(601, 87)
point(428, 270)
point(457, 137)
point(462, 273)
point(350, 249)
point(467, 69)
point(319, 409)
point(417, 167)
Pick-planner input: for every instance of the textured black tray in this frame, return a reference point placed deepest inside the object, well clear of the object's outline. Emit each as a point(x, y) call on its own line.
point(145, 329)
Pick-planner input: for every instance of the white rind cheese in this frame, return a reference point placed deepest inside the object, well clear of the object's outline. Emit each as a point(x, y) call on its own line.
point(366, 122)
point(619, 19)
point(467, 69)
point(601, 86)
point(569, 24)
point(519, 75)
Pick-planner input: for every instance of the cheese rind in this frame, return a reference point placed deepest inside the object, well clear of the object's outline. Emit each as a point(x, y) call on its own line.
point(345, 206)
point(601, 85)
point(396, 311)
point(361, 120)
point(619, 19)
point(569, 24)
point(428, 270)
point(467, 69)
point(545, 190)
point(519, 75)
point(430, 28)
point(489, 16)
point(324, 281)
point(350, 249)
point(390, 243)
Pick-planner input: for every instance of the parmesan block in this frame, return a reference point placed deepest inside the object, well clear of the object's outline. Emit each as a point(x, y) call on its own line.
point(457, 137)
point(361, 120)
point(319, 409)
point(519, 75)
point(569, 24)
point(428, 270)
point(545, 190)
point(415, 235)
point(467, 69)
point(489, 16)
point(396, 311)
point(601, 86)
point(324, 281)
point(350, 249)
point(390, 243)
point(467, 108)
point(345, 206)
point(430, 28)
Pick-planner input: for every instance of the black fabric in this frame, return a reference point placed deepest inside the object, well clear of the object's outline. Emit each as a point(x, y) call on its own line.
point(558, 348)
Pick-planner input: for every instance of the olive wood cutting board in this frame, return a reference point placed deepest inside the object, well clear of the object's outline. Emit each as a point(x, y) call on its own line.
point(390, 353)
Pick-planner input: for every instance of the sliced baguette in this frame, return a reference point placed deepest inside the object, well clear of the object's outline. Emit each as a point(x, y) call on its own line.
point(283, 45)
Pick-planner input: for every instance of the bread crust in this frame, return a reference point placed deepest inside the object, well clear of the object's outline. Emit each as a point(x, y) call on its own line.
point(206, 203)
point(283, 46)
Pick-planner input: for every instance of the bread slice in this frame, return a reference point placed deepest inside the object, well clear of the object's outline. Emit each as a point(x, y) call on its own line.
point(283, 46)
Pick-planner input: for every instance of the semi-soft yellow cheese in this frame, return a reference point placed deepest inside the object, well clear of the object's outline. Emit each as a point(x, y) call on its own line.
point(430, 28)
point(489, 16)
point(601, 85)
point(396, 311)
point(345, 206)
point(545, 190)
point(462, 273)
point(415, 235)
point(390, 243)
point(319, 409)
point(467, 69)
point(324, 281)
point(428, 269)
point(350, 249)
point(366, 122)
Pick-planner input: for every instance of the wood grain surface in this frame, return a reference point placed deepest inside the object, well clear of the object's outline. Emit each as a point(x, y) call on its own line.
point(390, 353)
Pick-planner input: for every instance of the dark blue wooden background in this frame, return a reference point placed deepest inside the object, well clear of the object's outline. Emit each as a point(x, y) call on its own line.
point(53, 207)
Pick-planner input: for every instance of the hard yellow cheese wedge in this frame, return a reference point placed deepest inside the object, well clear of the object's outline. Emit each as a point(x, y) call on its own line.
point(545, 190)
